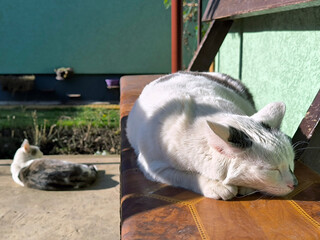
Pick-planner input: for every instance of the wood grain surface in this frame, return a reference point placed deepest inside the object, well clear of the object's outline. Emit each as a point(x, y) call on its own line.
point(226, 9)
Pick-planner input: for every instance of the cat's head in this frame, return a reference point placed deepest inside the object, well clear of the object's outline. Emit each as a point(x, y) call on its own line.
point(257, 154)
point(27, 152)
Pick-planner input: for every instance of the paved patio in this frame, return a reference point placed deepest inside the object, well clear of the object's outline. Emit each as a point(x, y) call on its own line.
point(92, 213)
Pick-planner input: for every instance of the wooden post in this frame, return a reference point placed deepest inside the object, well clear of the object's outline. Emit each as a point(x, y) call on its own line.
point(309, 128)
point(199, 22)
point(176, 35)
point(209, 45)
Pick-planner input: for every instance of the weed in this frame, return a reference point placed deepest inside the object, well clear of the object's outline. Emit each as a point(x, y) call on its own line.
point(76, 130)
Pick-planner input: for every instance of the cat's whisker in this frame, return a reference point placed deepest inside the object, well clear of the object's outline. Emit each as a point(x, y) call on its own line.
point(306, 148)
point(265, 195)
point(248, 194)
point(299, 143)
point(262, 196)
point(272, 196)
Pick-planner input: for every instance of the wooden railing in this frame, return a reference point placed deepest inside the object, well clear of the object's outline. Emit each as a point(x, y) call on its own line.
point(221, 14)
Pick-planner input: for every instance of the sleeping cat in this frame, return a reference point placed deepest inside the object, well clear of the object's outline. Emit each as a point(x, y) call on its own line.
point(31, 170)
point(201, 131)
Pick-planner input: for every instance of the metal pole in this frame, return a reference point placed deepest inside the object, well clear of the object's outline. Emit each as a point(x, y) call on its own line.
point(176, 35)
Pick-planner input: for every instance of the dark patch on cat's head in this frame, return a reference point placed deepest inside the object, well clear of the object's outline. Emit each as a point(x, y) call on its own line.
point(33, 151)
point(239, 139)
point(271, 129)
point(266, 126)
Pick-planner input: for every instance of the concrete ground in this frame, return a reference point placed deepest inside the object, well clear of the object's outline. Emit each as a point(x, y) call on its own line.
point(91, 213)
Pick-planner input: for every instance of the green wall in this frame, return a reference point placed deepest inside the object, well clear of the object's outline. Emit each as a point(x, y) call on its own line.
point(101, 36)
point(278, 57)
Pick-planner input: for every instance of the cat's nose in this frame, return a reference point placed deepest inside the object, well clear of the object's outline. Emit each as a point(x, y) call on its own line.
point(291, 186)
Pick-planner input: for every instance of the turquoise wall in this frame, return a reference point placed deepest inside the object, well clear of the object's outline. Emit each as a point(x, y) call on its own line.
point(101, 36)
point(278, 57)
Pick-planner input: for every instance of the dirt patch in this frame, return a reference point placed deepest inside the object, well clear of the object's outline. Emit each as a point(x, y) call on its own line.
point(89, 213)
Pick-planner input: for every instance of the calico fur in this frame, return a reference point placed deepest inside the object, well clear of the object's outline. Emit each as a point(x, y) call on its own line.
point(31, 170)
point(202, 132)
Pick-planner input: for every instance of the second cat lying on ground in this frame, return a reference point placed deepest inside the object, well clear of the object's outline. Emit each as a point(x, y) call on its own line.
point(31, 170)
point(201, 131)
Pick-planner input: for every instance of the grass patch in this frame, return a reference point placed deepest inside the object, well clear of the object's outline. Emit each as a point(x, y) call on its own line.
point(22, 117)
point(61, 130)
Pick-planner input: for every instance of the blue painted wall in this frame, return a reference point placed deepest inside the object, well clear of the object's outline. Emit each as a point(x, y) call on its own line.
point(48, 90)
point(93, 37)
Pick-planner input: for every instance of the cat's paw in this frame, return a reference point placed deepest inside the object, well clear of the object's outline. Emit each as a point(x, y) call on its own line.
point(245, 191)
point(218, 190)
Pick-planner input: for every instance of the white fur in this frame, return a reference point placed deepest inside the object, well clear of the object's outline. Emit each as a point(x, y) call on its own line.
point(23, 157)
point(178, 128)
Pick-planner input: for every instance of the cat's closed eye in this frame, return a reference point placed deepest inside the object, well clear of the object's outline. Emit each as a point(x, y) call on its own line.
point(277, 170)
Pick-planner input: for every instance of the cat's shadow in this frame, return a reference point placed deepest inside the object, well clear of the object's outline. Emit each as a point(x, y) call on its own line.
point(104, 181)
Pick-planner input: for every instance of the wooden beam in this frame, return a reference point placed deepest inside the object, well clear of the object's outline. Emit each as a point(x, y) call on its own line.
point(209, 45)
point(199, 22)
point(309, 129)
point(231, 9)
point(176, 35)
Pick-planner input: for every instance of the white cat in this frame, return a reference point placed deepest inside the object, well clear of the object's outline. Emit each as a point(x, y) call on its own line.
point(200, 131)
point(31, 170)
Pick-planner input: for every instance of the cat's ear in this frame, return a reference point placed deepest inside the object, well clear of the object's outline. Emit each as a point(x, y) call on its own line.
point(26, 146)
point(272, 114)
point(233, 137)
point(218, 138)
point(220, 130)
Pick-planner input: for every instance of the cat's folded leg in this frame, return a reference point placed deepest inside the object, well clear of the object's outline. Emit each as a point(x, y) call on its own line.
point(216, 189)
point(161, 172)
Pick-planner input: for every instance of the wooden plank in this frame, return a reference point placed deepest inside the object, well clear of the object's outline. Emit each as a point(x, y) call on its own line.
point(209, 45)
point(128, 84)
point(311, 153)
point(222, 9)
point(309, 128)
point(199, 22)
